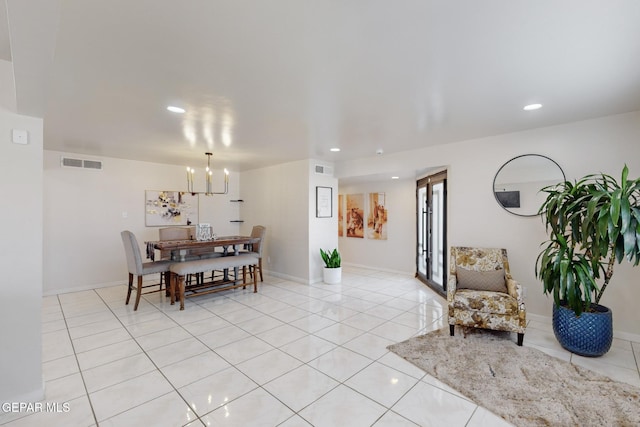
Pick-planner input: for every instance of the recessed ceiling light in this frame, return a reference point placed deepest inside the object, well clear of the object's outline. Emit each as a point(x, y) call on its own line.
point(176, 109)
point(395, 177)
point(335, 149)
point(531, 107)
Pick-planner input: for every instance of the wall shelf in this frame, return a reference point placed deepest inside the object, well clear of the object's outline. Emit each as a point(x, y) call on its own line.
point(237, 201)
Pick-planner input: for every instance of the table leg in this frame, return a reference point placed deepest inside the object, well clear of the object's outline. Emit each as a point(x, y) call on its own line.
point(236, 271)
point(225, 252)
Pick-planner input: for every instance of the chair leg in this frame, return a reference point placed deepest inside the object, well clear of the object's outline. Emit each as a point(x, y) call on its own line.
point(451, 329)
point(244, 276)
point(167, 283)
point(255, 282)
point(139, 291)
point(181, 290)
point(129, 290)
point(520, 339)
point(172, 288)
point(260, 267)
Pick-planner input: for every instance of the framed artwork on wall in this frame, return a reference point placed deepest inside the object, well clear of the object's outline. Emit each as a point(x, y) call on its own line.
point(340, 215)
point(355, 215)
point(166, 208)
point(324, 202)
point(377, 217)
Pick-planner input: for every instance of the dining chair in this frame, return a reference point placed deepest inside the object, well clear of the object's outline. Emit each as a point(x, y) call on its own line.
point(260, 232)
point(138, 268)
point(173, 233)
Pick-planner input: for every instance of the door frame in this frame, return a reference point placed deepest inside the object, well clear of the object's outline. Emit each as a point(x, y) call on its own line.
point(428, 181)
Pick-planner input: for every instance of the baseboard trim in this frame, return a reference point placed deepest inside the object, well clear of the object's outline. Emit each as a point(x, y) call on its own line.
point(85, 288)
point(287, 277)
point(386, 270)
point(616, 334)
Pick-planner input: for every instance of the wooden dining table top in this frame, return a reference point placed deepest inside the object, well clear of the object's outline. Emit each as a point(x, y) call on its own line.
point(190, 244)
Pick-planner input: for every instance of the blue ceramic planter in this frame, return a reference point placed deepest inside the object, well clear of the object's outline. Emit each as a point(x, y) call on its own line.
point(589, 335)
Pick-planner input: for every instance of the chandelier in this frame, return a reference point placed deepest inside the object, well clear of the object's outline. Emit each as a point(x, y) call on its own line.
point(208, 179)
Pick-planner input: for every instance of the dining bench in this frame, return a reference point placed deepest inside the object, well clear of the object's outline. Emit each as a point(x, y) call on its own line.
point(180, 270)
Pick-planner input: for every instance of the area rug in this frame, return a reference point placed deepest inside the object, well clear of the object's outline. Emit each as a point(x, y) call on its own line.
point(523, 385)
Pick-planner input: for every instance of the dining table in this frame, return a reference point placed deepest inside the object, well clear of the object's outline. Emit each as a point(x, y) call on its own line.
point(179, 249)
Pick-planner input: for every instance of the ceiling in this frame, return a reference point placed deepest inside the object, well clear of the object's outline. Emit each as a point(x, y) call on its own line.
point(270, 82)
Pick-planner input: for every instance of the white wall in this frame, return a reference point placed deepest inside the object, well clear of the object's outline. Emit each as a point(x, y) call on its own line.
point(323, 232)
point(21, 260)
point(7, 89)
point(84, 215)
point(398, 252)
point(277, 197)
point(83, 212)
point(475, 219)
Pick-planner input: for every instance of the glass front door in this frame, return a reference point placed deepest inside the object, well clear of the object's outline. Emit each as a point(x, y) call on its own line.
point(431, 218)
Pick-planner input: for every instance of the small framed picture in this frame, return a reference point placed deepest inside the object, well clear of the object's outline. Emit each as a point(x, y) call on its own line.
point(204, 231)
point(324, 202)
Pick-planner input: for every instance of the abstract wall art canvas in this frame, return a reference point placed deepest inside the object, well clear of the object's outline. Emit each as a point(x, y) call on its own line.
point(164, 208)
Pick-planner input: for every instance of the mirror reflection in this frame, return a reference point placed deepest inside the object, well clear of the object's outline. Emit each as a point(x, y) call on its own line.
point(518, 182)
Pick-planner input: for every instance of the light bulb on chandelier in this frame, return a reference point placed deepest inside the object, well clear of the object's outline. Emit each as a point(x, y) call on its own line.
point(208, 179)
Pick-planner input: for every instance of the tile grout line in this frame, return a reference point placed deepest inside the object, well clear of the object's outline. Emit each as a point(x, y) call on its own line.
point(75, 355)
point(281, 375)
point(343, 382)
point(247, 305)
point(197, 418)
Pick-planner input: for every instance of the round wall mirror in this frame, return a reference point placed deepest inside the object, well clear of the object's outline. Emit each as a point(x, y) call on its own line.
point(518, 182)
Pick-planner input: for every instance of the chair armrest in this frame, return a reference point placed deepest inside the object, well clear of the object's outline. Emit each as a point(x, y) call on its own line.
point(515, 290)
point(451, 287)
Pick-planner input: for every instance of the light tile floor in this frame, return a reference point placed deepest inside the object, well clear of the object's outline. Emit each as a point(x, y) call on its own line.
point(290, 355)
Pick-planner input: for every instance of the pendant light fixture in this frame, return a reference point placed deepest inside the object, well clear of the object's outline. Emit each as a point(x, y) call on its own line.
point(208, 179)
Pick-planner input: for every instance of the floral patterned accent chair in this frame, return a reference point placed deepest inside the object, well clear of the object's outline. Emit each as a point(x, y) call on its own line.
point(481, 292)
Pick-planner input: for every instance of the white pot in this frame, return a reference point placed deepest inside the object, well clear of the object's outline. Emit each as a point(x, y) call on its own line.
point(332, 275)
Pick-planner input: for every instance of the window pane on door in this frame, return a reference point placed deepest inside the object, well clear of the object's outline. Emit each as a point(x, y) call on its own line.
point(422, 231)
point(437, 233)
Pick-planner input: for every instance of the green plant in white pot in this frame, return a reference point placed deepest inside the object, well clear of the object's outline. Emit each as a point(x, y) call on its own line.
point(592, 224)
point(332, 266)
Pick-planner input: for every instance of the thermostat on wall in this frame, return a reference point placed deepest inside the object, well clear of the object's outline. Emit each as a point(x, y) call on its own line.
point(20, 136)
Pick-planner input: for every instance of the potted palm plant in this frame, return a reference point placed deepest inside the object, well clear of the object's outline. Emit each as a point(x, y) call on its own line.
point(592, 224)
point(332, 268)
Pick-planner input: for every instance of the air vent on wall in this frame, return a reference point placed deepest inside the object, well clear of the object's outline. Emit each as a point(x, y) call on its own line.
point(324, 170)
point(92, 164)
point(69, 162)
